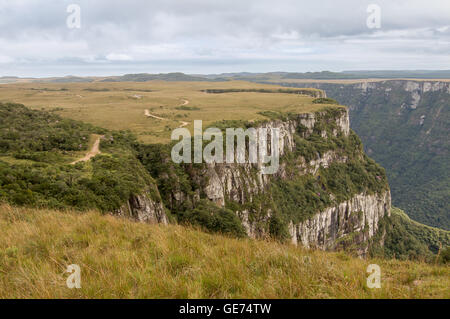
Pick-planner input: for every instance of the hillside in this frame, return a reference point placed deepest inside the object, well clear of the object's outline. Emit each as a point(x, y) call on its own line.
point(404, 238)
point(404, 126)
point(123, 259)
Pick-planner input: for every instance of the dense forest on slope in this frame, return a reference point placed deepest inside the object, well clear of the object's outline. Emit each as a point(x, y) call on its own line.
point(404, 126)
point(408, 239)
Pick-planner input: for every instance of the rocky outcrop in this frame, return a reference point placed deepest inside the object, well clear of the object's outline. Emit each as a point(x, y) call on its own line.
point(351, 222)
point(404, 127)
point(238, 182)
point(143, 208)
point(329, 229)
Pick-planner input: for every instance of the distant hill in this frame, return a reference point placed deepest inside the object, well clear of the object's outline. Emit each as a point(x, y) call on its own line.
point(326, 75)
point(139, 77)
point(389, 74)
point(143, 77)
point(246, 76)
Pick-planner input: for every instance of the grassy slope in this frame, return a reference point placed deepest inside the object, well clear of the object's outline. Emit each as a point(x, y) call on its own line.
point(122, 259)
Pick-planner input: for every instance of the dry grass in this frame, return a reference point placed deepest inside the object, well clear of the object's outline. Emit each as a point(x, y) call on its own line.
point(123, 259)
point(122, 105)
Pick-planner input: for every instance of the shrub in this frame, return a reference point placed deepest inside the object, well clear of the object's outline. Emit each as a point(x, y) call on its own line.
point(325, 100)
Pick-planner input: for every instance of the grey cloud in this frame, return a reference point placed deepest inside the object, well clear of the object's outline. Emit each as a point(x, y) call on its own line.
point(294, 33)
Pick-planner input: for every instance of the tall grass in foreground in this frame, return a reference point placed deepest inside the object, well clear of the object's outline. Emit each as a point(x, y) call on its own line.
point(123, 259)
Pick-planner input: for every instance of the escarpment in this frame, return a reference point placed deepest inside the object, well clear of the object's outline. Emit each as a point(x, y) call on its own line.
point(404, 127)
point(326, 194)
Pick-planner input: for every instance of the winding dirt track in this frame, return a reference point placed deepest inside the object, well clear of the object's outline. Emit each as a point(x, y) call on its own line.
point(95, 150)
point(147, 113)
point(183, 124)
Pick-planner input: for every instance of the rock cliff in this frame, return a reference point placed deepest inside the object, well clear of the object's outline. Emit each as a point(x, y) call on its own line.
point(352, 222)
point(326, 194)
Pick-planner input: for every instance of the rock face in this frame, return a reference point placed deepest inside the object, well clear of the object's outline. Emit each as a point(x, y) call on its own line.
point(237, 182)
point(355, 220)
point(329, 229)
point(143, 208)
point(310, 145)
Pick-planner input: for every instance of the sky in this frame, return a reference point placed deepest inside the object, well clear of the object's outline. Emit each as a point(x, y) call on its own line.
point(42, 38)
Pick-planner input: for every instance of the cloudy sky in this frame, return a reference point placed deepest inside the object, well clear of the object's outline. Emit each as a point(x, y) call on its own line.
point(215, 36)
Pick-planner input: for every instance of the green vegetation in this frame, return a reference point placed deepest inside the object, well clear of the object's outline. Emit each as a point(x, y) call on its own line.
point(415, 156)
point(309, 92)
point(406, 239)
point(37, 149)
point(302, 197)
point(296, 198)
point(41, 174)
point(213, 218)
point(187, 108)
point(97, 89)
point(47, 179)
point(122, 105)
point(324, 100)
point(23, 131)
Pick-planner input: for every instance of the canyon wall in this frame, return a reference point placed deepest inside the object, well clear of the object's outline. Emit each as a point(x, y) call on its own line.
point(330, 213)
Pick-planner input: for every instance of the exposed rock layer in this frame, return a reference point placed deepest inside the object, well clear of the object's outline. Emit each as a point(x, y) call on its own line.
point(356, 220)
point(326, 228)
point(143, 208)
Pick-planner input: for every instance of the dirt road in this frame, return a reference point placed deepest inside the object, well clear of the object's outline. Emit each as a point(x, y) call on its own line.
point(94, 151)
point(183, 124)
point(147, 113)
